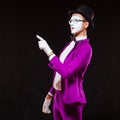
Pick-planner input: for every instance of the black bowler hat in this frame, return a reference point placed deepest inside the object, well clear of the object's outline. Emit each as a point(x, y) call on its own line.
point(86, 12)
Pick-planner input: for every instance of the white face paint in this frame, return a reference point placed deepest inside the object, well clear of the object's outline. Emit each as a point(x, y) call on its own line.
point(75, 24)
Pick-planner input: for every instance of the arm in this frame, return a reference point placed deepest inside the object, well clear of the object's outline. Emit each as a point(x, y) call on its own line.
point(46, 104)
point(47, 101)
point(66, 70)
point(51, 92)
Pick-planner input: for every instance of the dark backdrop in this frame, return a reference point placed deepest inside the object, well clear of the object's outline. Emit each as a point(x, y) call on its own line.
point(25, 77)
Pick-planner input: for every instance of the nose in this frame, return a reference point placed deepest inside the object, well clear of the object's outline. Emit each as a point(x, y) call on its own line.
point(71, 23)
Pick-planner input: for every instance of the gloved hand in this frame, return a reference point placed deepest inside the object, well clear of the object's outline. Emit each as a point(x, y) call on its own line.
point(43, 45)
point(46, 105)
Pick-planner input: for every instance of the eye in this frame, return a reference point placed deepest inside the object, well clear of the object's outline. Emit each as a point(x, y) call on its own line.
point(76, 21)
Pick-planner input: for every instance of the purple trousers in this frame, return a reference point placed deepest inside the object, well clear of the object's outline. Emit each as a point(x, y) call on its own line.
point(62, 111)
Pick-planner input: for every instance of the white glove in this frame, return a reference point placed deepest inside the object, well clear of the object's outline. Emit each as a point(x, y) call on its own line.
point(43, 45)
point(46, 104)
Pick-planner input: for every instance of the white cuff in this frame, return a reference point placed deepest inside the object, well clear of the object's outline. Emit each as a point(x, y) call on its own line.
point(51, 57)
point(50, 94)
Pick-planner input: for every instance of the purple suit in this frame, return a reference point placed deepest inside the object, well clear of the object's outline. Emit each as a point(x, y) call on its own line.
point(72, 71)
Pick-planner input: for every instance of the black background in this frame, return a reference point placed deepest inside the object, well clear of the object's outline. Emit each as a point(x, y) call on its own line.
point(25, 77)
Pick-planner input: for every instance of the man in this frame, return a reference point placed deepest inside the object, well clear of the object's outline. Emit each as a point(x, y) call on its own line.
point(69, 69)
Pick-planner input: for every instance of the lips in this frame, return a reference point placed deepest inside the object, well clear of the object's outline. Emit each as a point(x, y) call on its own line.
point(72, 28)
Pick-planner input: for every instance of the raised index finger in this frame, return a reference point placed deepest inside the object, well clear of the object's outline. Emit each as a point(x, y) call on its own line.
point(40, 38)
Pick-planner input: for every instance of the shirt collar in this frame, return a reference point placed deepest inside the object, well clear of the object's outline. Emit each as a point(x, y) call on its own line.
point(79, 38)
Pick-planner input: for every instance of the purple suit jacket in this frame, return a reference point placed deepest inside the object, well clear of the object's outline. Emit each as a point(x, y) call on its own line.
point(72, 71)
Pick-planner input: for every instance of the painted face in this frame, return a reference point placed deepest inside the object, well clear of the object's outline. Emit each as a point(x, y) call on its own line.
point(76, 23)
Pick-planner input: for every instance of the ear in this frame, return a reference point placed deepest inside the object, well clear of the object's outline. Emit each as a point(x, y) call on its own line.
point(86, 24)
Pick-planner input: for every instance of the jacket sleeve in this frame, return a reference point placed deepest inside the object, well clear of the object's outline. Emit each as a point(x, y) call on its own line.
point(51, 92)
point(66, 70)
